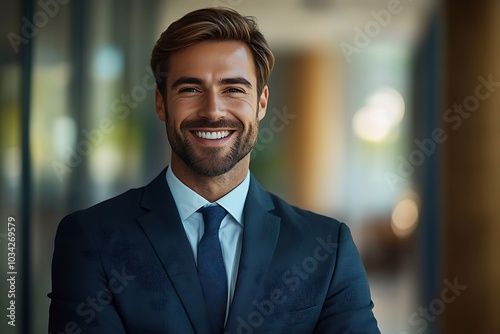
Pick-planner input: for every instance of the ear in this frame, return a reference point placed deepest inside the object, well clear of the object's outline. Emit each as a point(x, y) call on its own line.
point(263, 103)
point(160, 106)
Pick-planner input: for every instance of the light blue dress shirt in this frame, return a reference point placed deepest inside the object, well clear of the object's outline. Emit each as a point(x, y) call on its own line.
point(231, 229)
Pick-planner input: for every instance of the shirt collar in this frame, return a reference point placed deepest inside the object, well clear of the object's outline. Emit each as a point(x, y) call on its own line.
point(189, 201)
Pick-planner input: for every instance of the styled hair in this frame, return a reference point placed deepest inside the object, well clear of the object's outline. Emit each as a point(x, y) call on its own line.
point(212, 24)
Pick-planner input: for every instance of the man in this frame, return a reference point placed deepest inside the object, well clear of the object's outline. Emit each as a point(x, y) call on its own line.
point(203, 248)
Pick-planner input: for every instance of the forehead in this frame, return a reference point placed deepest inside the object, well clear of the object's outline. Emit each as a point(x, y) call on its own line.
point(213, 59)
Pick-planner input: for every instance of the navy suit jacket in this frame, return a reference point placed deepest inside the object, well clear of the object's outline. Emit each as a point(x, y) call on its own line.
point(125, 266)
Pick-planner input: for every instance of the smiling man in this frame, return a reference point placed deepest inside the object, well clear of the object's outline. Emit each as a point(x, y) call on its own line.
point(204, 248)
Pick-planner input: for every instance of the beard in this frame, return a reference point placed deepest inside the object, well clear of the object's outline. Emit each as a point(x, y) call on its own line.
point(212, 161)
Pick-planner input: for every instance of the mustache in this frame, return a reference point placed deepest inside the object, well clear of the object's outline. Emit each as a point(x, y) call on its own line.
point(205, 123)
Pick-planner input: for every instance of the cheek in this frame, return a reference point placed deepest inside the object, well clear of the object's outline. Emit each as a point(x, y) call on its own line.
point(245, 111)
point(178, 111)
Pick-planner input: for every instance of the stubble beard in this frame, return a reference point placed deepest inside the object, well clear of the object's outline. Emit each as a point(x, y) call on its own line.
point(212, 161)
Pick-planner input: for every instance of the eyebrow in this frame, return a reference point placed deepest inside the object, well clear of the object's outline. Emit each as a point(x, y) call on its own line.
point(223, 81)
point(186, 80)
point(235, 81)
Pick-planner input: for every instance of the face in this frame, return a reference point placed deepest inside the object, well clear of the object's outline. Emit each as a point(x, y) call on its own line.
point(211, 108)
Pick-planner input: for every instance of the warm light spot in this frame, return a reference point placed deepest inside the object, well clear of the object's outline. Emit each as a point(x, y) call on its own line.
point(391, 101)
point(380, 117)
point(404, 217)
point(370, 124)
point(105, 164)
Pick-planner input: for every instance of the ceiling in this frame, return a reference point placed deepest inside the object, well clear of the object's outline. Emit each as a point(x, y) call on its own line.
point(320, 23)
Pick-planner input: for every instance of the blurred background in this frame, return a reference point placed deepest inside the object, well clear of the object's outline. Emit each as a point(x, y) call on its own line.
point(383, 114)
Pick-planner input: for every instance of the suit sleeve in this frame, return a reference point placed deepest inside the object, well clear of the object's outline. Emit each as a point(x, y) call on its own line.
point(348, 305)
point(81, 300)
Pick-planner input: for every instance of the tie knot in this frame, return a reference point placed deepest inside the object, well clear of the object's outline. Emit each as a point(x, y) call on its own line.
point(212, 216)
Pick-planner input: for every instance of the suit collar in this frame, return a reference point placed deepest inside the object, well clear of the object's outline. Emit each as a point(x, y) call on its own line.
point(164, 230)
point(260, 236)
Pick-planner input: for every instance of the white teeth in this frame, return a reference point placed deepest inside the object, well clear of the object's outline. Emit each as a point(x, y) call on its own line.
point(212, 135)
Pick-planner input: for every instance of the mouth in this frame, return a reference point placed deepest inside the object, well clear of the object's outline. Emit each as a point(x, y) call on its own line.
point(212, 135)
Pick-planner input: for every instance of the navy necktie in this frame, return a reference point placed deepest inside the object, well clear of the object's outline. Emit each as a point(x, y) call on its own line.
point(211, 270)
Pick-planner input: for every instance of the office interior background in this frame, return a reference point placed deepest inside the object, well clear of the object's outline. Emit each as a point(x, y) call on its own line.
point(383, 114)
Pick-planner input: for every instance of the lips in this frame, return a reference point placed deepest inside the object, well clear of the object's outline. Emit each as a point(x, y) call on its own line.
point(212, 135)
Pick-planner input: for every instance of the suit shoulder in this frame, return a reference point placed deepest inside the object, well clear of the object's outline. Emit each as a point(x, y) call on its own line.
point(121, 204)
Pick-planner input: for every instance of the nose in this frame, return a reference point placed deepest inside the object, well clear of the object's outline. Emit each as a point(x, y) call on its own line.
point(212, 107)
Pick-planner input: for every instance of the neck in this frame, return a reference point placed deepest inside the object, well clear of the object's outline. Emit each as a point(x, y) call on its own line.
point(211, 188)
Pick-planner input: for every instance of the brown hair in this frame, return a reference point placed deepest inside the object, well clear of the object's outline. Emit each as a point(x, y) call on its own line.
point(212, 24)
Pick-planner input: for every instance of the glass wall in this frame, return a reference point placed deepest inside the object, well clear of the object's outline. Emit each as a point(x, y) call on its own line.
point(93, 121)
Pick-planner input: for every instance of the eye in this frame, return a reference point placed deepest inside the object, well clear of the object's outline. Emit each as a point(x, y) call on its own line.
point(188, 90)
point(235, 90)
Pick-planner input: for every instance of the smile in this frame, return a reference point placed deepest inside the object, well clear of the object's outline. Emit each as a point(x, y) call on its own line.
point(213, 134)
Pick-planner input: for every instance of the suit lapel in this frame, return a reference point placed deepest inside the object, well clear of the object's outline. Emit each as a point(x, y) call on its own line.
point(164, 230)
point(260, 235)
